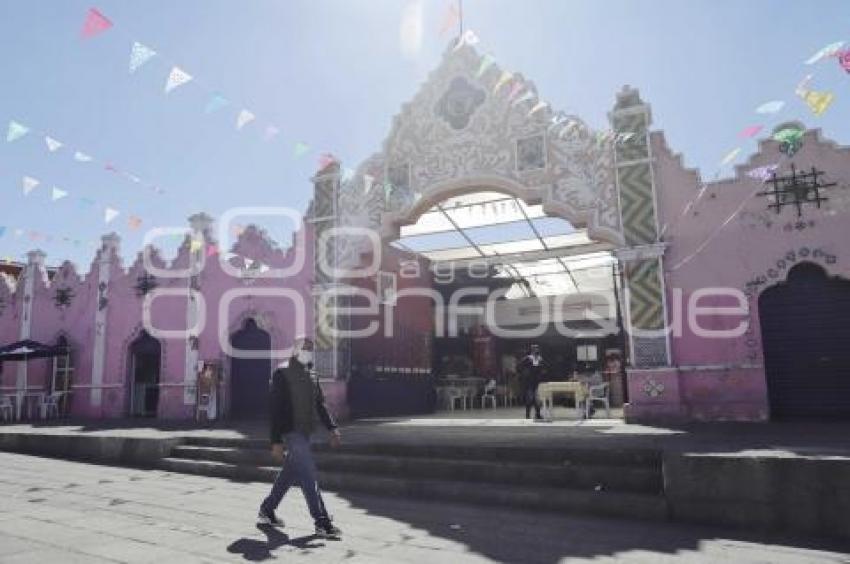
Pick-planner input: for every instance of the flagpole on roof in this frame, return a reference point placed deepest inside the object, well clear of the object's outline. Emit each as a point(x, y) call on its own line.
point(460, 16)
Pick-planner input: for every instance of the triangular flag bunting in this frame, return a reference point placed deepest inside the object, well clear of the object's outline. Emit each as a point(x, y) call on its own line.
point(770, 107)
point(538, 106)
point(271, 132)
point(177, 77)
point(751, 131)
point(503, 79)
point(244, 118)
point(763, 173)
point(730, 156)
point(82, 157)
point(525, 97)
point(58, 194)
point(95, 23)
point(818, 102)
point(212, 250)
point(109, 214)
point(215, 103)
point(468, 38)
point(301, 149)
point(515, 89)
point(29, 183)
point(16, 131)
point(325, 159)
point(844, 59)
point(139, 55)
point(827, 51)
point(486, 62)
point(52, 144)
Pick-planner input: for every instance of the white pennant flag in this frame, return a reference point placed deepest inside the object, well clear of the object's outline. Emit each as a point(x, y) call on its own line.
point(139, 55)
point(109, 214)
point(244, 118)
point(81, 157)
point(29, 184)
point(52, 144)
point(177, 77)
point(367, 183)
point(58, 194)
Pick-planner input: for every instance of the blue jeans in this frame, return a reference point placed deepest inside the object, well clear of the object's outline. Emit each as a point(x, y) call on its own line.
point(298, 468)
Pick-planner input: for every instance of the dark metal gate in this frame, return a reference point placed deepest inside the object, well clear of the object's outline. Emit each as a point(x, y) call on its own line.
point(806, 336)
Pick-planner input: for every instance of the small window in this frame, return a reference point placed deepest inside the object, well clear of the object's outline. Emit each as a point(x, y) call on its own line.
point(587, 353)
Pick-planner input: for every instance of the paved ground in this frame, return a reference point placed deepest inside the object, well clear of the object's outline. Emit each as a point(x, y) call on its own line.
point(58, 511)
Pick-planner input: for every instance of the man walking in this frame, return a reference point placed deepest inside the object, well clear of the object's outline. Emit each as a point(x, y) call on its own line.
point(531, 370)
point(295, 401)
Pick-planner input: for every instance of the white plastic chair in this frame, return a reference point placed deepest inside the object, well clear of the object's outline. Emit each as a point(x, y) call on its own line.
point(489, 394)
point(49, 405)
point(7, 410)
point(455, 394)
point(597, 394)
point(206, 407)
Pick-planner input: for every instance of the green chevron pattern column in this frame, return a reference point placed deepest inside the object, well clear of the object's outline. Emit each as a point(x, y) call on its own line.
point(644, 278)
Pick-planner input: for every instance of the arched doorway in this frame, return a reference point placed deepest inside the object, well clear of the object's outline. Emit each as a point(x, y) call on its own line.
point(145, 368)
point(249, 377)
point(806, 352)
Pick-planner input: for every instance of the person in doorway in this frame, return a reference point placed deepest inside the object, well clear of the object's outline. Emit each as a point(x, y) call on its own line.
point(531, 369)
point(296, 400)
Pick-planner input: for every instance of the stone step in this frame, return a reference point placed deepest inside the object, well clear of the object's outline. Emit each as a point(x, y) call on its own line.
point(604, 455)
point(563, 500)
point(644, 479)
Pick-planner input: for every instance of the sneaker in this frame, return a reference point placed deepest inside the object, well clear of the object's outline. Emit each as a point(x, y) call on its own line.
point(268, 518)
point(327, 530)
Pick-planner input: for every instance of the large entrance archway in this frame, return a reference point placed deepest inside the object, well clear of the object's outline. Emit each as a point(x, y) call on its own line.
point(145, 369)
point(249, 377)
point(807, 358)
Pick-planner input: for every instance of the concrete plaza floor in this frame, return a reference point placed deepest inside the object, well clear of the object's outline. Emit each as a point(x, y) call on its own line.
point(60, 511)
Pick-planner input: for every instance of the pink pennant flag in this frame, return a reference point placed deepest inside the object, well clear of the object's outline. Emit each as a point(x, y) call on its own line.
point(134, 222)
point(515, 89)
point(751, 131)
point(325, 159)
point(844, 59)
point(212, 250)
point(95, 23)
point(271, 132)
point(450, 19)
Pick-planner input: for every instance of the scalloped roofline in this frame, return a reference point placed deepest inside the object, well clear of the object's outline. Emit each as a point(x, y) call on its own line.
point(740, 170)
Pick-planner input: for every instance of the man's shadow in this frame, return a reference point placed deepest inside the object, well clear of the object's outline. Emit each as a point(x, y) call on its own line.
point(255, 550)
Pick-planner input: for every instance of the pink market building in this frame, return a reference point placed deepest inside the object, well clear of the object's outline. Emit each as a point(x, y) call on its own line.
point(766, 253)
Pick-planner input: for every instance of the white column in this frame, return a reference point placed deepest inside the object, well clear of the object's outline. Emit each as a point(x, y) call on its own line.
point(35, 267)
point(201, 225)
point(106, 256)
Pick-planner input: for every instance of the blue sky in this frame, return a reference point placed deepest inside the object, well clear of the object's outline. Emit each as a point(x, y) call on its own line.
point(332, 73)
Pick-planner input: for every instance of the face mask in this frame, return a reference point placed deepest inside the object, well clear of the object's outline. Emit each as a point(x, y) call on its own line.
point(305, 357)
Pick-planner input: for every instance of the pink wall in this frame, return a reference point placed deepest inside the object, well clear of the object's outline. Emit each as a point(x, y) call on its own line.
point(724, 378)
point(124, 321)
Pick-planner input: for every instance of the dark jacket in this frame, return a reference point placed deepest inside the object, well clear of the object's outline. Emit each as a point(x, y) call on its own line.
point(280, 407)
point(530, 375)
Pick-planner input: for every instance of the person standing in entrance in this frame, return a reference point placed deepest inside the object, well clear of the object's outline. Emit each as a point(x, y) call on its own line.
point(531, 369)
point(295, 401)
